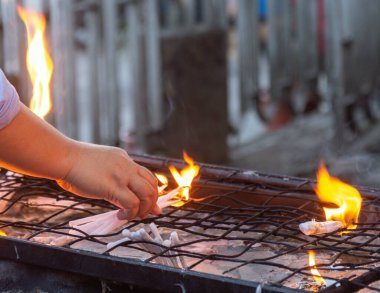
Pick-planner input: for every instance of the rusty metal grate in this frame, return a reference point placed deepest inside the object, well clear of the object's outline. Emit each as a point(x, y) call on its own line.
point(241, 222)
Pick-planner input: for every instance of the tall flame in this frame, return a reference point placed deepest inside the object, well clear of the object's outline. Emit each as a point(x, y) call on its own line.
point(346, 197)
point(185, 177)
point(38, 61)
point(313, 269)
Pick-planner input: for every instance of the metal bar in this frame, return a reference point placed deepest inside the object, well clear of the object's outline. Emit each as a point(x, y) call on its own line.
point(10, 37)
point(247, 26)
point(189, 11)
point(15, 44)
point(307, 55)
point(64, 76)
point(226, 174)
point(94, 92)
point(280, 47)
point(137, 70)
point(153, 63)
point(110, 101)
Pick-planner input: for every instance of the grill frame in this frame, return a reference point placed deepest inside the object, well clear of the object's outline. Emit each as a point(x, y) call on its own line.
point(139, 271)
point(123, 270)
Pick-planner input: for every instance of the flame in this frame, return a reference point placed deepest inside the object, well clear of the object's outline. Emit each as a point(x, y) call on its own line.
point(162, 179)
point(313, 269)
point(185, 177)
point(38, 61)
point(164, 183)
point(346, 197)
point(2, 233)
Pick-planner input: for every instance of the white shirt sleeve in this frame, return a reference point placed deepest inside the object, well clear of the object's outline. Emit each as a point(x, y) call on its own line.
point(9, 101)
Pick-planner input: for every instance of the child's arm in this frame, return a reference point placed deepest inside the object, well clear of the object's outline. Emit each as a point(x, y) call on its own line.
point(30, 145)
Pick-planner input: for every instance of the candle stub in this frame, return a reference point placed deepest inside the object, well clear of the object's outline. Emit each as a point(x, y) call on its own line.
point(314, 228)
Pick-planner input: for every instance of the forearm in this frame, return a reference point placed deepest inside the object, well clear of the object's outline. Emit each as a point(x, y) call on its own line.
point(32, 146)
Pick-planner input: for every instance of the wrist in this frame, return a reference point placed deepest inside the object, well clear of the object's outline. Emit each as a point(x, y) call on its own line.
point(69, 158)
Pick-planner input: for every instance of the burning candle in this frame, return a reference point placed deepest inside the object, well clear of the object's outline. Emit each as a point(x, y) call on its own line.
point(346, 197)
point(314, 271)
point(314, 228)
point(163, 180)
point(185, 177)
point(107, 222)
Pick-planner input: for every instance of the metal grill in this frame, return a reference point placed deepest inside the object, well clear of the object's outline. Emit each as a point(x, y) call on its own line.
point(241, 225)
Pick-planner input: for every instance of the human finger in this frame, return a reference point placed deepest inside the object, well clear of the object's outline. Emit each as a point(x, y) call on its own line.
point(128, 202)
point(146, 194)
point(147, 175)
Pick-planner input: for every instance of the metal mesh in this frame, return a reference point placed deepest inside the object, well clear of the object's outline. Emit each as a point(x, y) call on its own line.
point(240, 222)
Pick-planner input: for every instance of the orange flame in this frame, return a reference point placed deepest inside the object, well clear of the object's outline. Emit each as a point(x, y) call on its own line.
point(162, 179)
point(38, 61)
point(164, 182)
point(313, 269)
point(346, 197)
point(185, 177)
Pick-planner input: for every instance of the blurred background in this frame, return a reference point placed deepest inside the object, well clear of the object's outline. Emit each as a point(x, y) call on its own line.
point(269, 85)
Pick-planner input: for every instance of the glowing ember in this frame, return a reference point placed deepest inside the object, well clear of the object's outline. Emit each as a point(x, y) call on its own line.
point(185, 177)
point(346, 197)
point(313, 269)
point(38, 60)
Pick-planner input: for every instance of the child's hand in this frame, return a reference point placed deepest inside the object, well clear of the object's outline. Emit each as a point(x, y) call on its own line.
point(87, 170)
point(108, 173)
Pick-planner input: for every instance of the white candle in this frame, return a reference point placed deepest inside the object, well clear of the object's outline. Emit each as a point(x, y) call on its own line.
point(314, 228)
point(107, 222)
point(113, 244)
point(175, 241)
point(92, 218)
point(168, 196)
point(155, 232)
point(165, 204)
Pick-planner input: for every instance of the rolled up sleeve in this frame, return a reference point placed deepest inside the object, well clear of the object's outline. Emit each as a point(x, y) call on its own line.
point(9, 101)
